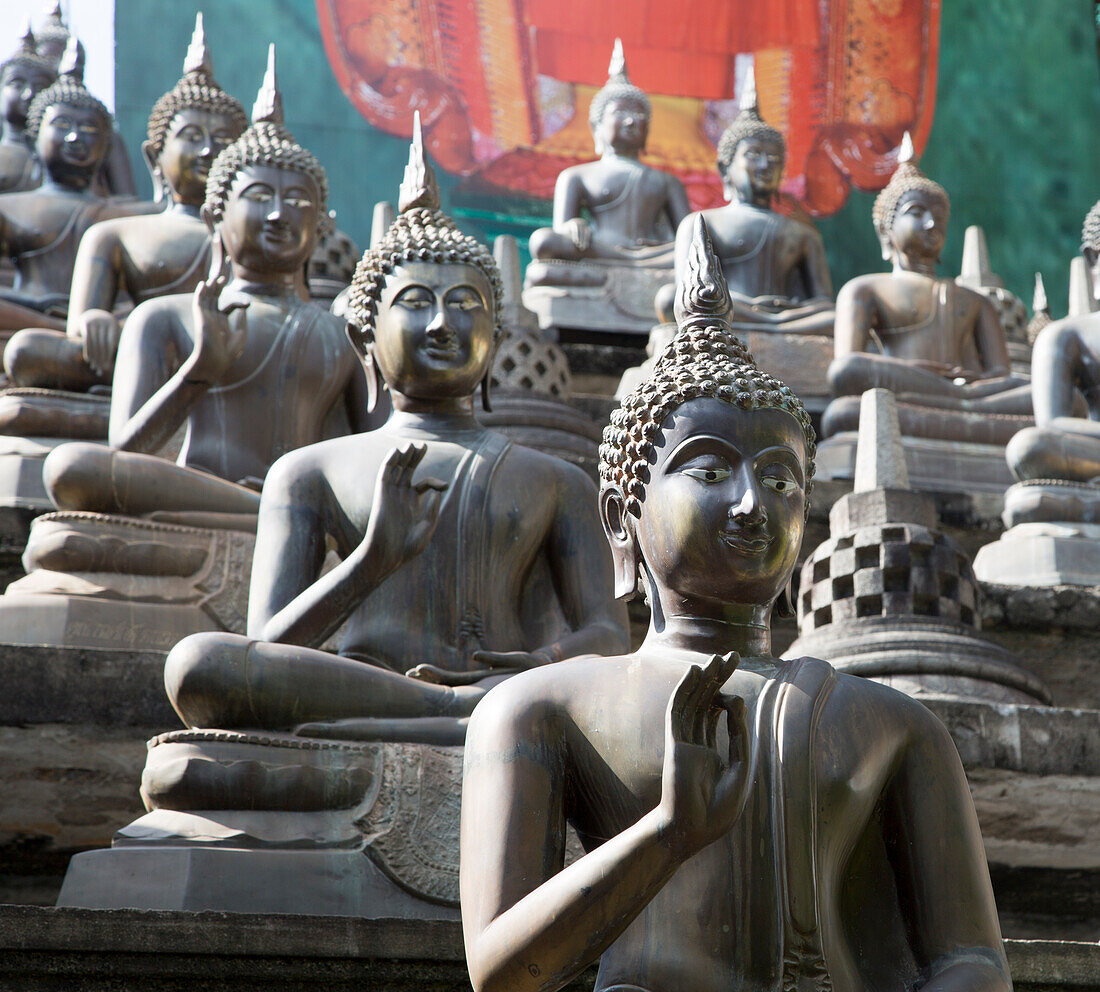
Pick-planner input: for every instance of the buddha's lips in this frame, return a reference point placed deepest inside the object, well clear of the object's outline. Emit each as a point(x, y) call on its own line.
point(752, 543)
point(441, 347)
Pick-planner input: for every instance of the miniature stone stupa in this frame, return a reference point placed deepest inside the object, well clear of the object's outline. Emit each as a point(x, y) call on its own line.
point(890, 596)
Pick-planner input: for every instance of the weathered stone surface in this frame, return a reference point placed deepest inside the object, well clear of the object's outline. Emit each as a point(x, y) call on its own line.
point(1043, 554)
point(128, 951)
point(880, 457)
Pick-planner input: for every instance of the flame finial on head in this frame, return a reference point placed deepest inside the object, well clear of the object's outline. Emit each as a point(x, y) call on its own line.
point(702, 296)
point(749, 102)
point(906, 153)
point(27, 44)
point(1039, 303)
point(268, 108)
point(72, 62)
point(198, 54)
point(418, 186)
point(616, 69)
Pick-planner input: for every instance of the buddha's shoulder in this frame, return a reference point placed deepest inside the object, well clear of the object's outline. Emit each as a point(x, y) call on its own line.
point(869, 284)
point(854, 699)
point(547, 469)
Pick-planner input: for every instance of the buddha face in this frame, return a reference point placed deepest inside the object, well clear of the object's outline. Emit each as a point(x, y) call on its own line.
point(192, 142)
point(72, 141)
point(623, 128)
point(20, 85)
point(433, 335)
point(724, 507)
point(754, 172)
point(269, 224)
point(920, 226)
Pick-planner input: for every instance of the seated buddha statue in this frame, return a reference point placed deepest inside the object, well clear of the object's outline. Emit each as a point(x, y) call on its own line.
point(444, 587)
point(776, 268)
point(745, 822)
point(143, 550)
point(40, 229)
point(245, 362)
point(52, 38)
point(1057, 462)
point(942, 349)
point(22, 77)
point(613, 212)
point(144, 256)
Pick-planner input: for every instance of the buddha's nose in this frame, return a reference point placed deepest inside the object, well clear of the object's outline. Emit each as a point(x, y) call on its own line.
point(750, 509)
point(929, 222)
point(437, 323)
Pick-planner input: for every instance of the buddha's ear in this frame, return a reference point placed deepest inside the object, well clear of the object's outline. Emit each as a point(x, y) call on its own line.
point(619, 528)
point(207, 215)
point(485, 384)
point(364, 348)
point(1090, 254)
point(887, 247)
point(150, 160)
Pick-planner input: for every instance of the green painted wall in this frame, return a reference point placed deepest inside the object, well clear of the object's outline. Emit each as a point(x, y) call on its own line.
point(1015, 138)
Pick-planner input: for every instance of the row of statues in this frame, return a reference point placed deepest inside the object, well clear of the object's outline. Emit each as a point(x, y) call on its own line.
point(419, 581)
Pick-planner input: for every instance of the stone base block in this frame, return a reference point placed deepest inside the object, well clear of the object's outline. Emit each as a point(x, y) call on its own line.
point(127, 951)
point(21, 485)
point(595, 296)
point(1042, 554)
point(321, 883)
point(800, 360)
point(934, 466)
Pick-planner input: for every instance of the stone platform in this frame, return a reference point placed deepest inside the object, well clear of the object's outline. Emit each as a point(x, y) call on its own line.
point(50, 950)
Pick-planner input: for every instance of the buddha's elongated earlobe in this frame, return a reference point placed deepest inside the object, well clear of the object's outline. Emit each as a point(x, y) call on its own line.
point(485, 385)
point(620, 535)
point(784, 605)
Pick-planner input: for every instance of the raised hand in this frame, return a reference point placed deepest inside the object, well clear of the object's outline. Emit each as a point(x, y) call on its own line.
point(404, 515)
point(217, 343)
point(100, 333)
point(701, 795)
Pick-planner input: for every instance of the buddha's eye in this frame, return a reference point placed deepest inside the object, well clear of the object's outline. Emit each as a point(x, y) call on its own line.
point(192, 134)
point(221, 138)
point(413, 298)
point(259, 193)
point(464, 299)
point(62, 122)
point(708, 474)
point(780, 479)
point(298, 200)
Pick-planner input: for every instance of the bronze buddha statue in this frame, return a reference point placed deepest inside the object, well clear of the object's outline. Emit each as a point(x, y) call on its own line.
point(745, 821)
point(245, 361)
point(40, 229)
point(22, 77)
point(613, 214)
point(943, 349)
point(143, 256)
point(775, 267)
point(440, 574)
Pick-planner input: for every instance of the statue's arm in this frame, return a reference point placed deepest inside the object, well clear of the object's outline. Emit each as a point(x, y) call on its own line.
point(855, 315)
point(144, 387)
point(96, 275)
point(815, 268)
point(1055, 365)
point(990, 338)
point(290, 543)
point(569, 198)
point(678, 206)
point(529, 925)
point(935, 846)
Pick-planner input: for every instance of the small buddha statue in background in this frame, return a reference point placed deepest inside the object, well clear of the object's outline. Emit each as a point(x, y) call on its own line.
point(40, 229)
point(775, 267)
point(943, 350)
point(611, 214)
point(1065, 362)
point(746, 822)
point(115, 177)
point(246, 362)
point(143, 256)
point(22, 77)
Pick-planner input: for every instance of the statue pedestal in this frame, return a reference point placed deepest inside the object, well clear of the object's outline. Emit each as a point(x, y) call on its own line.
point(102, 581)
point(1053, 537)
point(274, 823)
point(800, 360)
point(594, 295)
point(934, 466)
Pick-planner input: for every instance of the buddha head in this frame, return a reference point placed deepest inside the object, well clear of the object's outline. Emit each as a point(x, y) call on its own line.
point(619, 113)
point(751, 153)
point(53, 37)
point(911, 213)
point(266, 194)
point(190, 125)
point(706, 467)
point(1090, 246)
point(424, 306)
point(22, 77)
point(70, 128)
